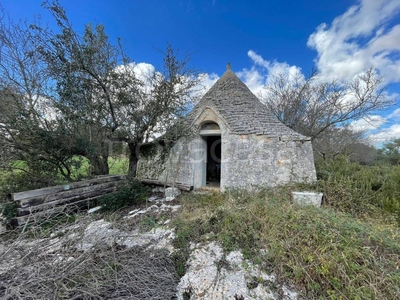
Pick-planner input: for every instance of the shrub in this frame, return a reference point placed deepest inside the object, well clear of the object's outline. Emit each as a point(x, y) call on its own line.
point(9, 210)
point(130, 192)
point(372, 191)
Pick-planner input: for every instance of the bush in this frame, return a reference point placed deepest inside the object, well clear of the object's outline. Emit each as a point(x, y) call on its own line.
point(130, 192)
point(372, 191)
point(9, 210)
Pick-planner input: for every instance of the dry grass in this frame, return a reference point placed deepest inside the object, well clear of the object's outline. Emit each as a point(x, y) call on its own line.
point(323, 253)
point(45, 263)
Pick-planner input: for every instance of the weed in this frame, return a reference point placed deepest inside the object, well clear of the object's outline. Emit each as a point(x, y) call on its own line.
point(325, 253)
point(148, 223)
point(363, 191)
point(131, 192)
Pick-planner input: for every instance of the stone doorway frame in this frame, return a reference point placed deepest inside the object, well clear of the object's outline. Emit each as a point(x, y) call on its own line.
point(208, 128)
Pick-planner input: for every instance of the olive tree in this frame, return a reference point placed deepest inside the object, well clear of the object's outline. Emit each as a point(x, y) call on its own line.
point(98, 85)
point(29, 130)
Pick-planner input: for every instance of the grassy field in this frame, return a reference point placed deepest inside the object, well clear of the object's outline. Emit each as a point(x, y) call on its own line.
point(117, 165)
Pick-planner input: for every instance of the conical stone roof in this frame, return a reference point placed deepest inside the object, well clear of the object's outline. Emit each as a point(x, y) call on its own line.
point(242, 110)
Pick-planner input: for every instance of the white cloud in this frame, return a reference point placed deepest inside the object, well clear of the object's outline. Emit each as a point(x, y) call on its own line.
point(257, 59)
point(359, 39)
point(143, 70)
point(206, 81)
point(395, 114)
point(363, 37)
point(253, 78)
point(139, 69)
point(368, 123)
point(392, 132)
point(262, 71)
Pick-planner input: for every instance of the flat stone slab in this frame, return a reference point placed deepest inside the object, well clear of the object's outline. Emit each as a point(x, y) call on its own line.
point(307, 198)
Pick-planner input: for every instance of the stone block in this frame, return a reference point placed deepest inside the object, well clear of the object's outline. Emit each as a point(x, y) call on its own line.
point(307, 198)
point(172, 192)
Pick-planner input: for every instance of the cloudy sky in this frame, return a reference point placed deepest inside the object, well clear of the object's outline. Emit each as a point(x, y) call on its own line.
point(339, 38)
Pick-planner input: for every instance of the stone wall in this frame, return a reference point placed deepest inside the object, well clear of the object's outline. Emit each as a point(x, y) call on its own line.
point(167, 164)
point(258, 160)
point(247, 160)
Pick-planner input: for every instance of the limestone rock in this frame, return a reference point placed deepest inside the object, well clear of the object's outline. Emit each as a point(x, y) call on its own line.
point(213, 275)
point(171, 193)
point(99, 234)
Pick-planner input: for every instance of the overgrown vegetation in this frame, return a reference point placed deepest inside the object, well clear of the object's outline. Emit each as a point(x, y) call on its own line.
point(9, 210)
point(130, 192)
point(323, 252)
point(348, 249)
point(363, 191)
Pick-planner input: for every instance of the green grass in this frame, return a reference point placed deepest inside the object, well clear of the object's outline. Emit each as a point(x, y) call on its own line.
point(363, 191)
point(324, 253)
point(118, 165)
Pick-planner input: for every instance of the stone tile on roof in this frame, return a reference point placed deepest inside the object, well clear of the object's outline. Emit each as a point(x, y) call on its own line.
point(242, 110)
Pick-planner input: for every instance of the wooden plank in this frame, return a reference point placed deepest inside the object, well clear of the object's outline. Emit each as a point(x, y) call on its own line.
point(38, 200)
point(65, 187)
point(48, 214)
point(49, 205)
point(177, 185)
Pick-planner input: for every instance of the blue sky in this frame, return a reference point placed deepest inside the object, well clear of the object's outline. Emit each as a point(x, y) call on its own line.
point(340, 38)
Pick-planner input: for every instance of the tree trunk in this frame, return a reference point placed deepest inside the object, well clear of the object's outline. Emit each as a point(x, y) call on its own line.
point(133, 158)
point(99, 165)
